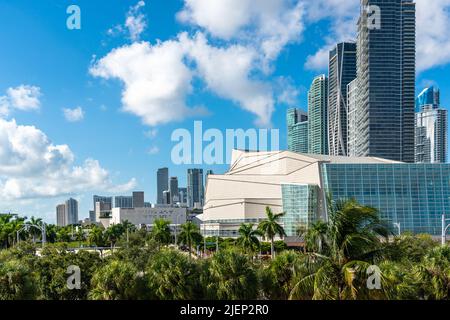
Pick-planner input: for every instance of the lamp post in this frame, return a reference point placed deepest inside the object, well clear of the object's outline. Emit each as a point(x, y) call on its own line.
point(397, 224)
point(444, 229)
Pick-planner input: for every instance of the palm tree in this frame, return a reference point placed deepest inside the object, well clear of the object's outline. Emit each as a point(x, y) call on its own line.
point(161, 231)
point(128, 226)
point(315, 236)
point(80, 236)
point(270, 228)
point(352, 244)
point(35, 232)
point(189, 235)
point(96, 236)
point(248, 238)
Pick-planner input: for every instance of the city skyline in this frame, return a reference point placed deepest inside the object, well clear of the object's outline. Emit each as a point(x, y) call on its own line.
point(73, 111)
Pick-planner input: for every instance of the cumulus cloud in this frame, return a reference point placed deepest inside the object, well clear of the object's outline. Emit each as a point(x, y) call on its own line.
point(135, 23)
point(23, 97)
point(156, 80)
point(73, 115)
point(31, 166)
point(269, 26)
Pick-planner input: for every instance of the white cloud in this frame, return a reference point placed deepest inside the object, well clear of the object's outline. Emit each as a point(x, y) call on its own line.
point(32, 167)
point(73, 115)
point(23, 97)
point(135, 23)
point(269, 25)
point(153, 150)
point(155, 77)
point(226, 72)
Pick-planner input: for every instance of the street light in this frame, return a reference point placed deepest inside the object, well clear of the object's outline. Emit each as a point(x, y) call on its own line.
point(444, 229)
point(397, 224)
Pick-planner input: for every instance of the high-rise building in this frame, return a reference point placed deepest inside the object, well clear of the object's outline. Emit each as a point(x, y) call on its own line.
point(431, 128)
point(106, 204)
point(123, 202)
point(162, 180)
point(297, 129)
point(138, 199)
point(173, 188)
point(352, 137)
point(386, 70)
point(92, 215)
point(183, 195)
point(195, 190)
point(428, 97)
point(166, 197)
point(342, 70)
point(71, 211)
point(317, 116)
point(61, 217)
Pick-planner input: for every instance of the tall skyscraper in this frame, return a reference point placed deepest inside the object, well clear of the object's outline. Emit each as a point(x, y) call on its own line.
point(342, 70)
point(123, 202)
point(431, 128)
point(61, 217)
point(138, 199)
point(106, 204)
point(386, 71)
point(71, 211)
point(317, 116)
point(173, 188)
point(162, 180)
point(183, 195)
point(352, 137)
point(297, 129)
point(195, 190)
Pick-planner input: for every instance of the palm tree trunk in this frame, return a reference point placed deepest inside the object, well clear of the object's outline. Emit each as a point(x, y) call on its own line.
point(272, 249)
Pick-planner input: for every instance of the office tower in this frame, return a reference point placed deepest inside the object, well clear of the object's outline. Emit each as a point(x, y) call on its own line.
point(173, 188)
point(431, 128)
point(317, 116)
point(106, 201)
point(92, 215)
point(162, 180)
point(297, 123)
point(138, 199)
point(342, 70)
point(166, 197)
point(428, 97)
point(61, 218)
point(195, 191)
point(72, 211)
point(183, 195)
point(352, 137)
point(386, 80)
point(123, 202)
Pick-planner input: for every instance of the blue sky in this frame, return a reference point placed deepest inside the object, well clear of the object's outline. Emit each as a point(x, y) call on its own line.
point(225, 62)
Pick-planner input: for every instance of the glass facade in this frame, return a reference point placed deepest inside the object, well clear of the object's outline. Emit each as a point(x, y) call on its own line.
point(414, 195)
point(386, 81)
point(195, 191)
point(317, 116)
point(297, 122)
point(300, 204)
point(429, 96)
point(342, 70)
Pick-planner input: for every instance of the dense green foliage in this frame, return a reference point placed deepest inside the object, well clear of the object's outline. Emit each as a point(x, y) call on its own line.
point(137, 264)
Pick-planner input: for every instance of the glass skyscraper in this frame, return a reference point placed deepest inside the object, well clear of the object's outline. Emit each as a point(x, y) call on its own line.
point(342, 70)
point(174, 192)
point(162, 180)
point(431, 128)
point(72, 211)
point(352, 104)
point(297, 129)
point(386, 72)
point(195, 190)
point(317, 116)
point(123, 202)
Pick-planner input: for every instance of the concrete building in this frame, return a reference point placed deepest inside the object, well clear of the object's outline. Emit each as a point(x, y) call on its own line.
point(61, 218)
point(318, 116)
point(410, 194)
point(138, 199)
point(141, 217)
point(342, 70)
point(297, 130)
point(106, 204)
point(162, 181)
